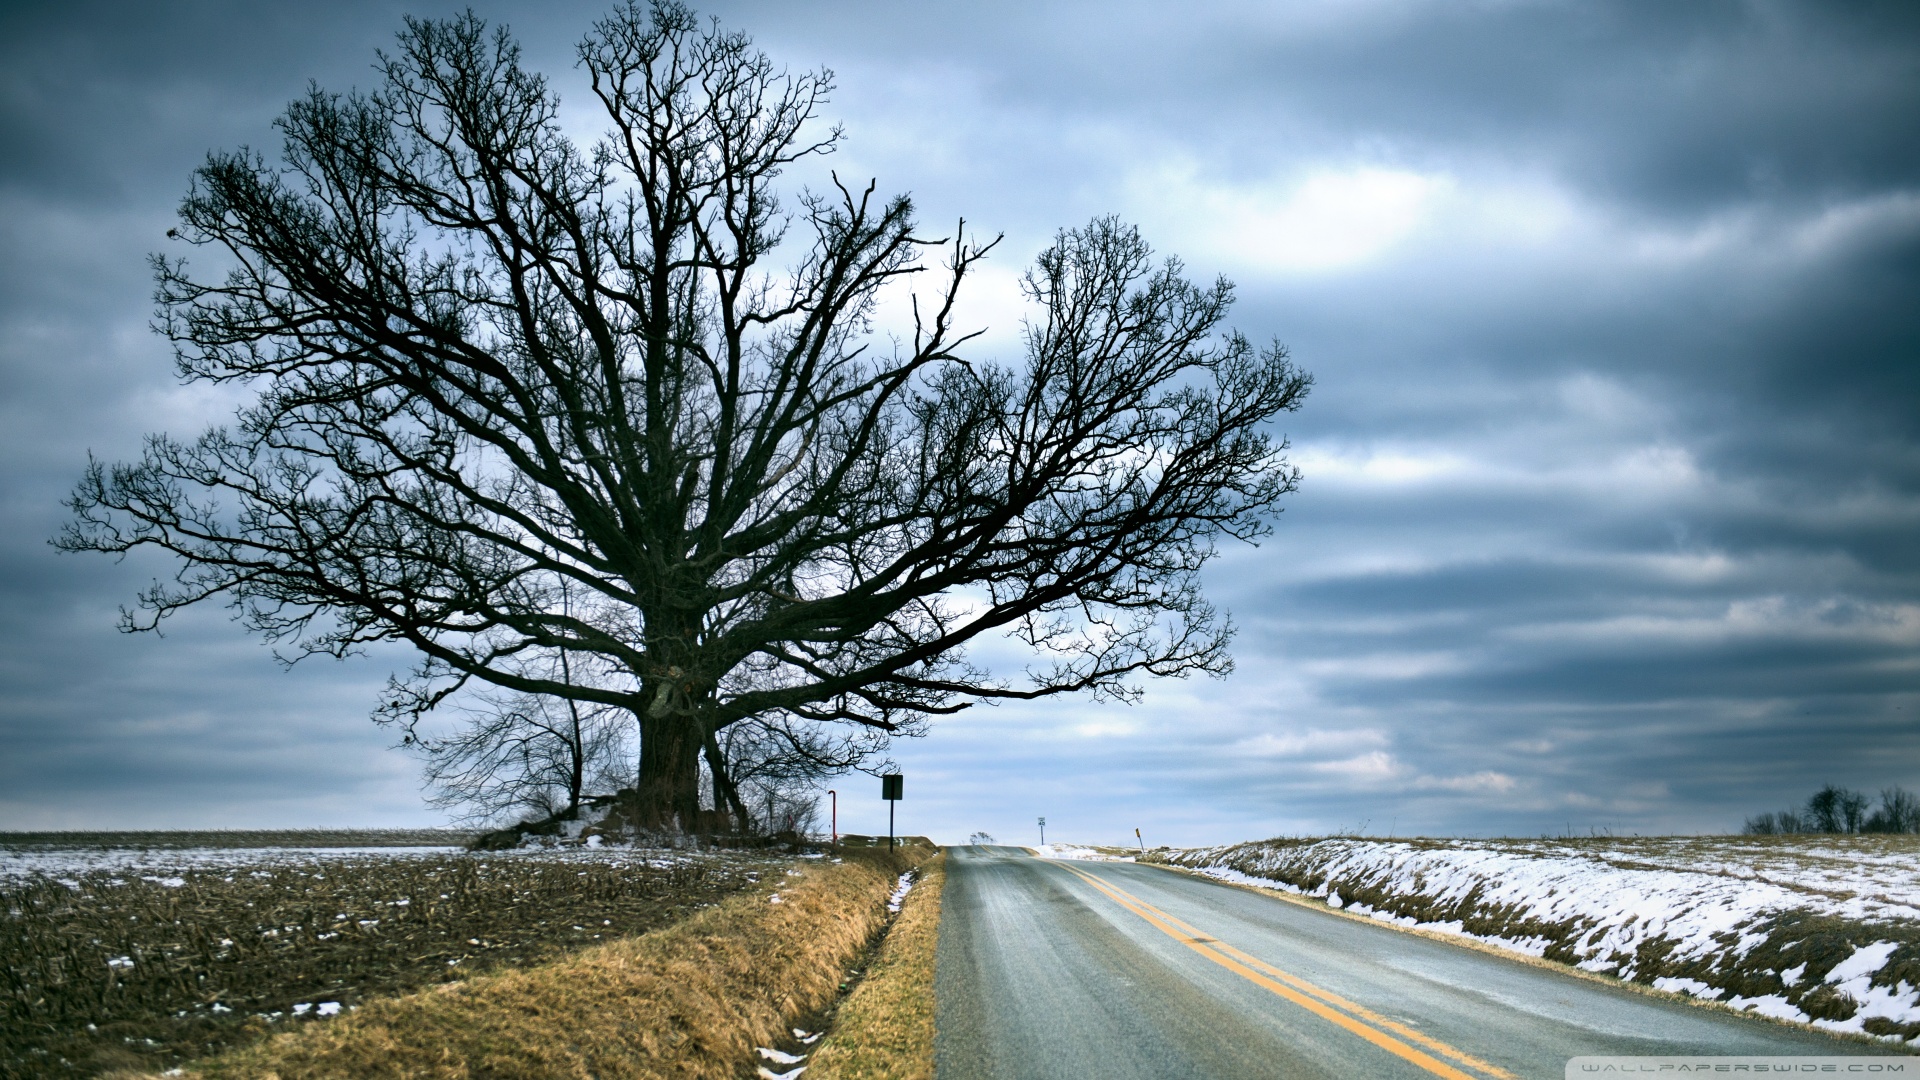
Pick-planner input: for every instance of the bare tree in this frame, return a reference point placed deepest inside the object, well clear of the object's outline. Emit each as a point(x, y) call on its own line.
point(1835, 810)
point(1784, 823)
point(1898, 812)
point(493, 365)
point(528, 752)
point(525, 752)
point(767, 769)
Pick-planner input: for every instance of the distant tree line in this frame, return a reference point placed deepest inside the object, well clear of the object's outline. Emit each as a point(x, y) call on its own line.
point(1842, 810)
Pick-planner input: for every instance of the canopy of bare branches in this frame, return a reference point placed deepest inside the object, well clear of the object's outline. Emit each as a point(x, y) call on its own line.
point(521, 399)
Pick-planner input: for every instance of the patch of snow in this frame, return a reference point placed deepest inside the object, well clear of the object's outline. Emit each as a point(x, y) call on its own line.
point(163, 866)
point(1768, 1005)
point(1693, 987)
point(1865, 960)
point(780, 1057)
point(168, 866)
point(328, 1008)
point(768, 1074)
point(1875, 1002)
point(900, 890)
point(1072, 851)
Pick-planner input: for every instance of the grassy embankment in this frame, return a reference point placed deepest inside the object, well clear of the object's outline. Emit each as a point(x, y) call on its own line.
point(1754, 923)
point(691, 1000)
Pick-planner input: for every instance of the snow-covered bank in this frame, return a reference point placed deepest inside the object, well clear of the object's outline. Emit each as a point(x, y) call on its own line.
point(1074, 851)
point(1823, 930)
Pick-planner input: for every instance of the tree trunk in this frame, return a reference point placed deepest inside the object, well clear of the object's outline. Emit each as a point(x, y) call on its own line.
point(668, 792)
point(723, 786)
point(576, 747)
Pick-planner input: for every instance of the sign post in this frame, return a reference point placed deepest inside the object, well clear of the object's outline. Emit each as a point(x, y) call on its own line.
point(835, 796)
point(1043, 832)
point(890, 785)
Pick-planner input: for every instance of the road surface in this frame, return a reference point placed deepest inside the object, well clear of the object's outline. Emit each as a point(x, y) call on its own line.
point(1053, 969)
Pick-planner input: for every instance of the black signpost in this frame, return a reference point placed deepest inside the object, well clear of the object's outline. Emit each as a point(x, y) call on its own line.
point(890, 790)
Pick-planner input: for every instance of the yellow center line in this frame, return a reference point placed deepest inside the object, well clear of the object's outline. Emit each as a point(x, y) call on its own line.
point(1364, 1022)
point(1332, 998)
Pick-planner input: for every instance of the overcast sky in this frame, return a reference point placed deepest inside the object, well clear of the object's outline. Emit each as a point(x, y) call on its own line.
point(1611, 510)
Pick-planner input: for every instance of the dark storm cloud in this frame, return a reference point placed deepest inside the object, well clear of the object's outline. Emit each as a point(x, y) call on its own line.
point(104, 111)
point(1613, 466)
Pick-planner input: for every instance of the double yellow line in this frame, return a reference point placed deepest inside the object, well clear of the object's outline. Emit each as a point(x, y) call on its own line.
point(1389, 1035)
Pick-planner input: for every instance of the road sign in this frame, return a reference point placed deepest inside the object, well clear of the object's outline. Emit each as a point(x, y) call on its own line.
point(890, 785)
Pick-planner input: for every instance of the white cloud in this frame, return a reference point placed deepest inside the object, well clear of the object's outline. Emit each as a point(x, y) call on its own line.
point(1305, 743)
point(1379, 465)
point(1754, 236)
point(1832, 619)
point(1106, 728)
point(1377, 765)
point(1402, 665)
point(1324, 220)
point(1631, 471)
point(1485, 781)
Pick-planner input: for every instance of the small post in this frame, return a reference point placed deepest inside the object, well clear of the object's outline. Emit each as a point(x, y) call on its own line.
point(1143, 843)
point(890, 786)
point(1043, 832)
point(834, 796)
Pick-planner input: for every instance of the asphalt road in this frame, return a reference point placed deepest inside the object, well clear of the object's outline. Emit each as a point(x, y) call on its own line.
point(1102, 969)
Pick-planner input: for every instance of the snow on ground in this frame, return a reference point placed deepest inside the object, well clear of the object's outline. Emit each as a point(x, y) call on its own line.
point(1720, 918)
point(1071, 851)
point(163, 865)
point(900, 890)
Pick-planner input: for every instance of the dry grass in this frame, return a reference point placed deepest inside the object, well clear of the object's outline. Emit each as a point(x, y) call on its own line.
point(692, 1000)
point(884, 1031)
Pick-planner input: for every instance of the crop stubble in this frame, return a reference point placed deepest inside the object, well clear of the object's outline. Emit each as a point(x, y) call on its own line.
point(221, 959)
